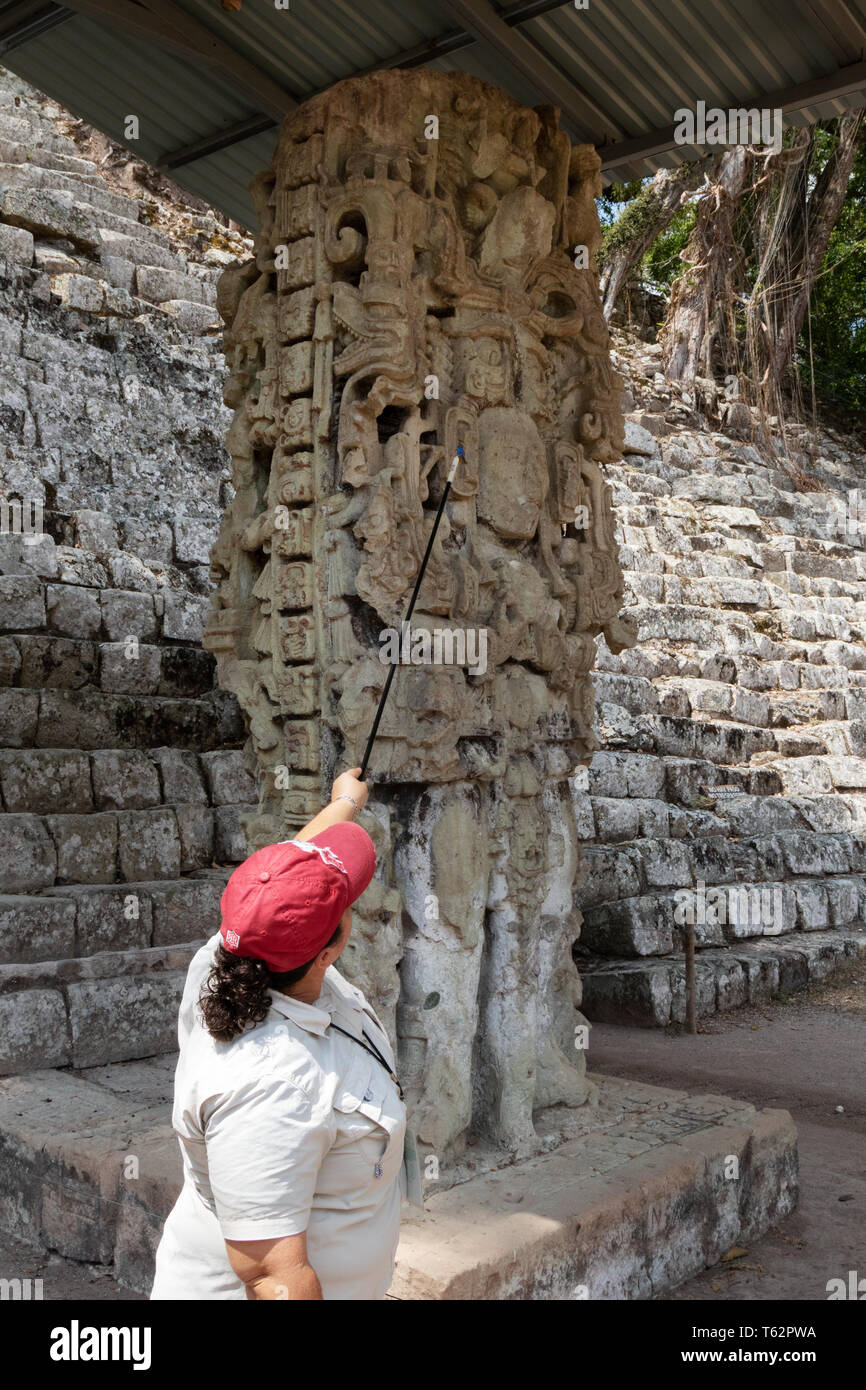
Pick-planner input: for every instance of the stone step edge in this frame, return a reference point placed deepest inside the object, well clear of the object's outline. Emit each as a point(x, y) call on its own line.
point(104, 965)
point(650, 993)
point(584, 1218)
point(171, 912)
point(93, 1178)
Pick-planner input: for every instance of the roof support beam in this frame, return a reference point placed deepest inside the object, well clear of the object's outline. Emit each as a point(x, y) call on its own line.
point(411, 57)
point(480, 19)
point(839, 26)
point(216, 141)
point(27, 19)
point(164, 23)
point(845, 82)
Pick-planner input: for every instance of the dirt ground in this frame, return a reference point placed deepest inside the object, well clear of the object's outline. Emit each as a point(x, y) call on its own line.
point(804, 1054)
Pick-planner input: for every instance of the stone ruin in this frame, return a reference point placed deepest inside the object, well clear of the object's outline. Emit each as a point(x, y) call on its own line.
point(424, 278)
point(732, 737)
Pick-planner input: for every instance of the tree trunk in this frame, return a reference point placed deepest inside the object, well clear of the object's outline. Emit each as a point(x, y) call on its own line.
point(644, 219)
point(807, 255)
point(713, 259)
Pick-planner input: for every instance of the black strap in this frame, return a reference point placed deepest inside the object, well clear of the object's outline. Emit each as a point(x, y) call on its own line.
point(373, 1051)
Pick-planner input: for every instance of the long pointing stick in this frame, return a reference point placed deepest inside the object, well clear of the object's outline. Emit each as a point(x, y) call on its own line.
point(383, 697)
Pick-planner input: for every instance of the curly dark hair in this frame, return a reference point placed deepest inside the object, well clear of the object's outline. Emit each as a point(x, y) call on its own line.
point(235, 995)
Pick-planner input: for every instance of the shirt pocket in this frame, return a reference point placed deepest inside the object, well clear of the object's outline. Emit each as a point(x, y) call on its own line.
point(367, 1151)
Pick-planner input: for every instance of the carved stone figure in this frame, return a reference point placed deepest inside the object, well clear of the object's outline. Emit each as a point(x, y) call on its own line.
point(416, 288)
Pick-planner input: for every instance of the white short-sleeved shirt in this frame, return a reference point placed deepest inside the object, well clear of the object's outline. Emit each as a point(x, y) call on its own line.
point(290, 1127)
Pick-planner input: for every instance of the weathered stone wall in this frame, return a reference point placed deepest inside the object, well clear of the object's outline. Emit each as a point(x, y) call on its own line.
point(731, 781)
point(121, 769)
point(424, 279)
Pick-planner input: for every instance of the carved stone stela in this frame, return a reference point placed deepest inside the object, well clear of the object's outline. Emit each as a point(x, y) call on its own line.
point(410, 294)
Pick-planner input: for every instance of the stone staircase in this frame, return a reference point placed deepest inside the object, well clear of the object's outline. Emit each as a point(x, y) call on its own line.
point(121, 772)
point(732, 783)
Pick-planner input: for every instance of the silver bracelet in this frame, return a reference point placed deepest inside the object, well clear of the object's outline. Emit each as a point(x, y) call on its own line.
point(344, 796)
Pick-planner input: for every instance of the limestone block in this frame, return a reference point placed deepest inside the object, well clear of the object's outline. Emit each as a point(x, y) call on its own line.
point(79, 567)
point(638, 440)
point(127, 614)
point(653, 818)
point(186, 671)
point(123, 779)
point(184, 616)
point(813, 911)
point(10, 661)
point(19, 713)
point(158, 284)
point(843, 773)
point(28, 859)
point(843, 898)
point(148, 538)
point(80, 719)
point(120, 273)
point(632, 774)
point(181, 775)
point(34, 553)
point(148, 845)
point(615, 819)
point(79, 292)
point(193, 540)
point(665, 863)
point(128, 1016)
point(73, 611)
point(195, 826)
point(21, 602)
point(186, 911)
point(191, 316)
point(95, 531)
point(229, 783)
point(127, 571)
point(610, 875)
point(230, 841)
point(107, 917)
point(636, 926)
point(86, 847)
point(32, 1031)
point(16, 245)
point(129, 669)
point(33, 929)
point(140, 251)
point(52, 213)
point(42, 780)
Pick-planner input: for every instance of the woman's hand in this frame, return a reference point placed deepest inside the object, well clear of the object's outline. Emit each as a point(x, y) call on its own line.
point(339, 809)
point(347, 784)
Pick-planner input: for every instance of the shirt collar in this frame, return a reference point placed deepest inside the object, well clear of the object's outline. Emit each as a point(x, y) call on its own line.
point(338, 997)
point(309, 1016)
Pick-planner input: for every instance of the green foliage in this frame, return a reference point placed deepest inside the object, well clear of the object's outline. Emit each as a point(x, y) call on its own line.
point(610, 204)
point(662, 263)
point(835, 333)
point(838, 310)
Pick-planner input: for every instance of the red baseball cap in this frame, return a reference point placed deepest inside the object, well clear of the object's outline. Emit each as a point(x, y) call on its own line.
point(283, 903)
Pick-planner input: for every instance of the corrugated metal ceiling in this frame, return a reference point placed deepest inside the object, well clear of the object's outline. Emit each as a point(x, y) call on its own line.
point(634, 61)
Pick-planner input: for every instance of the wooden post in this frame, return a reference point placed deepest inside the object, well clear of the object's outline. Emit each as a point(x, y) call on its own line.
point(691, 994)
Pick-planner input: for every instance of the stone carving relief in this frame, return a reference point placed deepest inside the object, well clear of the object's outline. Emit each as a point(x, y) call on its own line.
point(410, 295)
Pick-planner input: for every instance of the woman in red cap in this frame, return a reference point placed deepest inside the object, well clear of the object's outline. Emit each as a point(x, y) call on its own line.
point(289, 1113)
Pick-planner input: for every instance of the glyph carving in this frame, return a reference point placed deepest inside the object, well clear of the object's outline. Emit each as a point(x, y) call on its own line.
point(410, 295)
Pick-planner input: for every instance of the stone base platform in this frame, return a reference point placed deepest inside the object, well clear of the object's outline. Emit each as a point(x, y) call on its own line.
point(650, 1186)
point(651, 992)
point(655, 1185)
